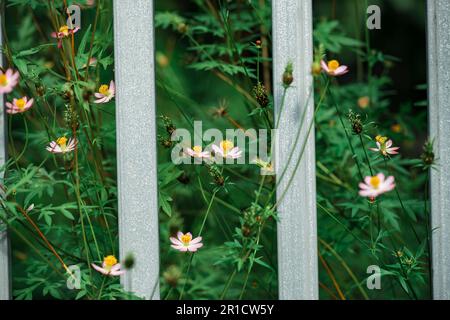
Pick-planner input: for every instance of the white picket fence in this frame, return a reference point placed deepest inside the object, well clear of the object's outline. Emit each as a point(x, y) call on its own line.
point(297, 232)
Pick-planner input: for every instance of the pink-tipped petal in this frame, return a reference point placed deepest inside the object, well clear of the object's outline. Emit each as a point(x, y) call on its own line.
point(324, 66)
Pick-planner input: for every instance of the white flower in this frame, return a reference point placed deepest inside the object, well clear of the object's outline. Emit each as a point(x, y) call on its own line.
point(62, 145)
point(110, 267)
point(384, 147)
point(197, 152)
point(226, 149)
point(374, 186)
point(184, 242)
point(105, 93)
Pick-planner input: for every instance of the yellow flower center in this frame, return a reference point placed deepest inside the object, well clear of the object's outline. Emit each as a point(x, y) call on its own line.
point(3, 80)
point(381, 139)
point(186, 238)
point(20, 103)
point(226, 145)
point(104, 89)
point(197, 149)
point(64, 30)
point(62, 141)
point(333, 65)
point(375, 182)
point(110, 261)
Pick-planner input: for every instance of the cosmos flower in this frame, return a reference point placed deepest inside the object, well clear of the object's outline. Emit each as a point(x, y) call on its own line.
point(8, 81)
point(92, 63)
point(105, 93)
point(63, 32)
point(374, 186)
point(62, 145)
point(266, 167)
point(333, 68)
point(197, 152)
point(384, 146)
point(184, 242)
point(226, 149)
point(19, 105)
point(110, 267)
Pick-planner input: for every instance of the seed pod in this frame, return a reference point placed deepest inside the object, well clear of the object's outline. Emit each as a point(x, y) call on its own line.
point(260, 94)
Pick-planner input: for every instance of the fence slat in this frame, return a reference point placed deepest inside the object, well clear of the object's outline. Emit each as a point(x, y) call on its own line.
point(136, 134)
point(5, 288)
point(297, 231)
point(439, 115)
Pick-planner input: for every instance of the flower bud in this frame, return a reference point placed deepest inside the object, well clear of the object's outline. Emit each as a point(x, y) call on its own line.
point(288, 76)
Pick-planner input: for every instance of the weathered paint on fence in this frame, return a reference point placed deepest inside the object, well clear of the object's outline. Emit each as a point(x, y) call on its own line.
point(4, 242)
point(439, 109)
point(136, 144)
point(297, 230)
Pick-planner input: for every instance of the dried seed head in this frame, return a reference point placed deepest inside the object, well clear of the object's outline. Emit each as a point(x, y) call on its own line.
point(356, 122)
point(260, 93)
point(216, 175)
point(428, 156)
point(40, 90)
point(71, 118)
point(172, 275)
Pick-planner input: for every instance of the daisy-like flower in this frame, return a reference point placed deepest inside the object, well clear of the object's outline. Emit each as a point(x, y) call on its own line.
point(333, 68)
point(226, 149)
point(197, 152)
point(92, 63)
point(63, 32)
point(8, 81)
point(62, 145)
point(266, 167)
point(184, 242)
point(105, 93)
point(384, 146)
point(110, 267)
point(374, 186)
point(19, 105)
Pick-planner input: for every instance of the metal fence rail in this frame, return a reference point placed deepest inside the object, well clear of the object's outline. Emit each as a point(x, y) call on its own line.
point(4, 242)
point(136, 123)
point(297, 231)
point(439, 110)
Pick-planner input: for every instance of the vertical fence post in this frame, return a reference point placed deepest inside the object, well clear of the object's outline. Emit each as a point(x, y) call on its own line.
point(4, 242)
point(136, 134)
point(439, 115)
point(297, 231)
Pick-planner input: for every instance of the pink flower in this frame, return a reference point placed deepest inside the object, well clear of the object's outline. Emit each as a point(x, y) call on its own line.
point(226, 149)
point(8, 81)
point(197, 152)
point(384, 147)
point(374, 186)
point(63, 32)
point(333, 68)
point(184, 242)
point(105, 93)
point(19, 105)
point(110, 267)
point(62, 145)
